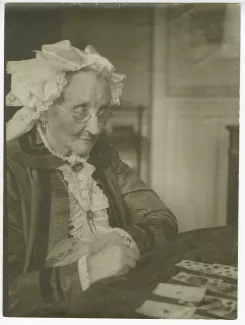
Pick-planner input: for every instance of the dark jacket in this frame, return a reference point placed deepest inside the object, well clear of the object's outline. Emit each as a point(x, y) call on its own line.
point(134, 207)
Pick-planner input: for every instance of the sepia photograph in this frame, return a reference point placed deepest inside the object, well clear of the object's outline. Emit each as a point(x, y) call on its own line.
point(121, 160)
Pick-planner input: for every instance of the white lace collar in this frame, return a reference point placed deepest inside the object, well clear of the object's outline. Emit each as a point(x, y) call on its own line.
point(71, 159)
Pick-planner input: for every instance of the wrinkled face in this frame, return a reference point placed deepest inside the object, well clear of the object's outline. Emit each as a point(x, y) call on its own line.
point(85, 92)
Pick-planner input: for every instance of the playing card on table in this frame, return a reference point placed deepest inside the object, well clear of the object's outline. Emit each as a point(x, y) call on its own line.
point(225, 289)
point(225, 270)
point(196, 280)
point(164, 310)
point(180, 292)
point(218, 306)
point(195, 266)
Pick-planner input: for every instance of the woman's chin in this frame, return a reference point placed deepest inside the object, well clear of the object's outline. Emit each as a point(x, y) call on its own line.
point(82, 148)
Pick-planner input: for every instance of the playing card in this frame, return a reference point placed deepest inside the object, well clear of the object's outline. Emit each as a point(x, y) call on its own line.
point(225, 289)
point(196, 280)
point(218, 306)
point(218, 269)
point(195, 266)
point(225, 270)
point(67, 251)
point(180, 292)
point(165, 310)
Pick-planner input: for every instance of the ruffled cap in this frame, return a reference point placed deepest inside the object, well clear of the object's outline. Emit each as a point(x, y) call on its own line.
point(37, 83)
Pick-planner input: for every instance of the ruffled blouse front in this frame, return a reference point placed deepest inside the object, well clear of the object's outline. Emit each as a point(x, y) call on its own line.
point(84, 195)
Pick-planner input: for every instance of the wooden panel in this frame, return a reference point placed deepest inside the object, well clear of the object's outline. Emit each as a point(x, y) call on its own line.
point(232, 204)
point(194, 180)
point(193, 167)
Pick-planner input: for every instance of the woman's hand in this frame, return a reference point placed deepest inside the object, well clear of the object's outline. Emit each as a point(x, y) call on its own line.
point(112, 239)
point(111, 257)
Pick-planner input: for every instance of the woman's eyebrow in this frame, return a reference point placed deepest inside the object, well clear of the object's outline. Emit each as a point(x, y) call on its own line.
point(79, 101)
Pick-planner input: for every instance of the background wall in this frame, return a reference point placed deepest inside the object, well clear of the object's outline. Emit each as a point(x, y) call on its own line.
point(123, 35)
point(200, 97)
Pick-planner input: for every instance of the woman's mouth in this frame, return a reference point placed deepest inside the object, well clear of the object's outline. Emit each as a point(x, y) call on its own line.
point(87, 140)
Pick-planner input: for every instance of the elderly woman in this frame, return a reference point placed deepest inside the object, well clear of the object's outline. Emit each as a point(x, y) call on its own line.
point(76, 212)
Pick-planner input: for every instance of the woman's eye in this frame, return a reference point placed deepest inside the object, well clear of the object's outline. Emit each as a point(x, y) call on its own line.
point(80, 109)
point(103, 110)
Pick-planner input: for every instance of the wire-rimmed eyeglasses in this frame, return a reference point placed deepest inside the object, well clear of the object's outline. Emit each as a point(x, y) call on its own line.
point(84, 116)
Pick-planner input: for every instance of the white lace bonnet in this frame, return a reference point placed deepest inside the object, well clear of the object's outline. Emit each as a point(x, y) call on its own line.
point(38, 82)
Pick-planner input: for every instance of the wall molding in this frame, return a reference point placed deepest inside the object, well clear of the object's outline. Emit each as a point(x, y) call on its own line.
point(214, 114)
point(220, 107)
point(203, 91)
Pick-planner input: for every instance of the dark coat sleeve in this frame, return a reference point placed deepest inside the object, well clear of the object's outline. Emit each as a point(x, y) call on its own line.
point(151, 222)
point(48, 292)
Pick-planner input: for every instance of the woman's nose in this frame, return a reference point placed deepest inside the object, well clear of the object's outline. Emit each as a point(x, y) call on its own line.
point(93, 126)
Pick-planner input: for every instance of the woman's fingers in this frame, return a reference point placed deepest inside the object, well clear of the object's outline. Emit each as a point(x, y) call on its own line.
point(135, 248)
point(127, 265)
point(127, 247)
point(101, 241)
point(124, 270)
point(129, 252)
point(130, 262)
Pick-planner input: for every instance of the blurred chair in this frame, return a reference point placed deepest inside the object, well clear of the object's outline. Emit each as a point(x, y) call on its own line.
point(125, 132)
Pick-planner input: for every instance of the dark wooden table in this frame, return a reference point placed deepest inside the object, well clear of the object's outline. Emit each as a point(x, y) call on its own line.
point(119, 298)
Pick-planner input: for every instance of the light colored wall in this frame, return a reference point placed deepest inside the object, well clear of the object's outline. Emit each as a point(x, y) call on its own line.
point(121, 35)
point(190, 151)
point(194, 61)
